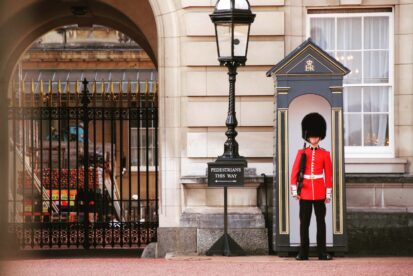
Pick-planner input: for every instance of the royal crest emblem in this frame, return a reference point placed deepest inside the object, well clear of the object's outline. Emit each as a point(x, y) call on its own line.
point(309, 66)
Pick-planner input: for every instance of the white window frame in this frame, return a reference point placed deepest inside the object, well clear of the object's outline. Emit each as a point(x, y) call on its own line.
point(368, 151)
point(142, 168)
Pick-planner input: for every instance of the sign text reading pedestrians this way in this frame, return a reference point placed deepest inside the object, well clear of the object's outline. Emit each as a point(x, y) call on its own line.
point(222, 174)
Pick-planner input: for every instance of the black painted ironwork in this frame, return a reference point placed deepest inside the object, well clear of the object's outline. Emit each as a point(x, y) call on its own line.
point(226, 245)
point(228, 20)
point(84, 166)
point(231, 145)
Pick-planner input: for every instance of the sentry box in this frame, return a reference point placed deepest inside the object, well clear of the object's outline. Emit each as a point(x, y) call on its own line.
point(307, 80)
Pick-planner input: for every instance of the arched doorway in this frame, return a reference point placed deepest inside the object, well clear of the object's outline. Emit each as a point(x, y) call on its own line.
point(32, 138)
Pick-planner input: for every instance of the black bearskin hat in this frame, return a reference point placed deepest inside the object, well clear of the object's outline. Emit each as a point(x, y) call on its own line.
point(313, 125)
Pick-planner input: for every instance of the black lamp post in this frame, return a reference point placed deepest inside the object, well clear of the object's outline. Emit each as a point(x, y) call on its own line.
point(232, 20)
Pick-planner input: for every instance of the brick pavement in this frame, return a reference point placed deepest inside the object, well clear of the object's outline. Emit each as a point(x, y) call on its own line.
point(201, 265)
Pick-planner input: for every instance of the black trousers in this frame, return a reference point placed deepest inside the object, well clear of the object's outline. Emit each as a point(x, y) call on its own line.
point(306, 208)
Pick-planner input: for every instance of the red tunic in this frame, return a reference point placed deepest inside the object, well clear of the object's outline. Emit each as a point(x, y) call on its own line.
point(318, 162)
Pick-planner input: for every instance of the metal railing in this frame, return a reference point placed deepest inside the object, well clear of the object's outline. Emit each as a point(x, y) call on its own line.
point(72, 183)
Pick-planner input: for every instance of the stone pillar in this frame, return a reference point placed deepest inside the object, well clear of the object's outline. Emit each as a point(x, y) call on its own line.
point(403, 93)
point(294, 25)
point(170, 237)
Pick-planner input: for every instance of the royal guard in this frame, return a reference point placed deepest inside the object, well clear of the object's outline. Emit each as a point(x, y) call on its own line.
point(311, 183)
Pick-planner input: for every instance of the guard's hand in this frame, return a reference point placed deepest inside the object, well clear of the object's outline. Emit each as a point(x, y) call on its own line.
point(329, 192)
point(297, 197)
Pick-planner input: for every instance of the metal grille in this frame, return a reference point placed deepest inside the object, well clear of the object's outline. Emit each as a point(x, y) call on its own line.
point(84, 165)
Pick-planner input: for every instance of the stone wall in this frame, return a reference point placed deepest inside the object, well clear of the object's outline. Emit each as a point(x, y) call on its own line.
point(380, 192)
point(379, 214)
point(369, 234)
point(378, 233)
point(204, 96)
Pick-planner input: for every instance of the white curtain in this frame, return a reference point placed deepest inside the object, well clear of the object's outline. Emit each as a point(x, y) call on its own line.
point(352, 116)
point(363, 47)
point(376, 118)
point(323, 33)
point(376, 32)
point(349, 33)
point(376, 45)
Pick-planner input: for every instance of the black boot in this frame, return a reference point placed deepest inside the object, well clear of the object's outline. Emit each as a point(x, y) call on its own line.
point(302, 256)
point(325, 256)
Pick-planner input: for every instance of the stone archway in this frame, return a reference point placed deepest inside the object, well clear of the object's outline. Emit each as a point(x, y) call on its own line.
point(35, 19)
point(143, 21)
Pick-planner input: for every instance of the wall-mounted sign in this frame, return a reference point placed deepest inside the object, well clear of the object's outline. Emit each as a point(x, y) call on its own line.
point(225, 173)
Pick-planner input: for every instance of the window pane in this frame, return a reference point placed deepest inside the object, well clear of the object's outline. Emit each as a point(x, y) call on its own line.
point(323, 32)
point(242, 5)
point(376, 32)
point(376, 99)
point(351, 60)
point(75, 75)
point(224, 36)
point(134, 140)
point(46, 75)
point(376, 130)
point(146, 75)
point(352, 129)
point(151, 138)
point(151, 159)
point(116, 75)
point(143, 138)
point(360, 42)
point(352, 99)
point(223, 5)
point(146, 148)
point(376, 66)
point(349, 33)
point(134, 157)
point(142, 154)
point(62, 75)
point(240, 39)
point(102, 75)
point(131, 75)
point(31, 75)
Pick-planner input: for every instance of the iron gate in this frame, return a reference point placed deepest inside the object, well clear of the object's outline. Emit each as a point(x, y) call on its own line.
point(84, 165)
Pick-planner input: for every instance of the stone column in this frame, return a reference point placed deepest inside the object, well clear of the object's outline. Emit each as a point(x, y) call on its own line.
point(403, 92)
point(170, 235)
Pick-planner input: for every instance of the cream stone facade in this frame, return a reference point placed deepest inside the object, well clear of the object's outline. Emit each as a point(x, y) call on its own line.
point(193, 89)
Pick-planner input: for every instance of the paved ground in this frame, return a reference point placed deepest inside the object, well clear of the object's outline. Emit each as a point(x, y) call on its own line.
point(197, 265)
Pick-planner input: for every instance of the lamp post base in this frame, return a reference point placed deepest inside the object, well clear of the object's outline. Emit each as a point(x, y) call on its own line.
point(226, 246)
point(238, 160)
